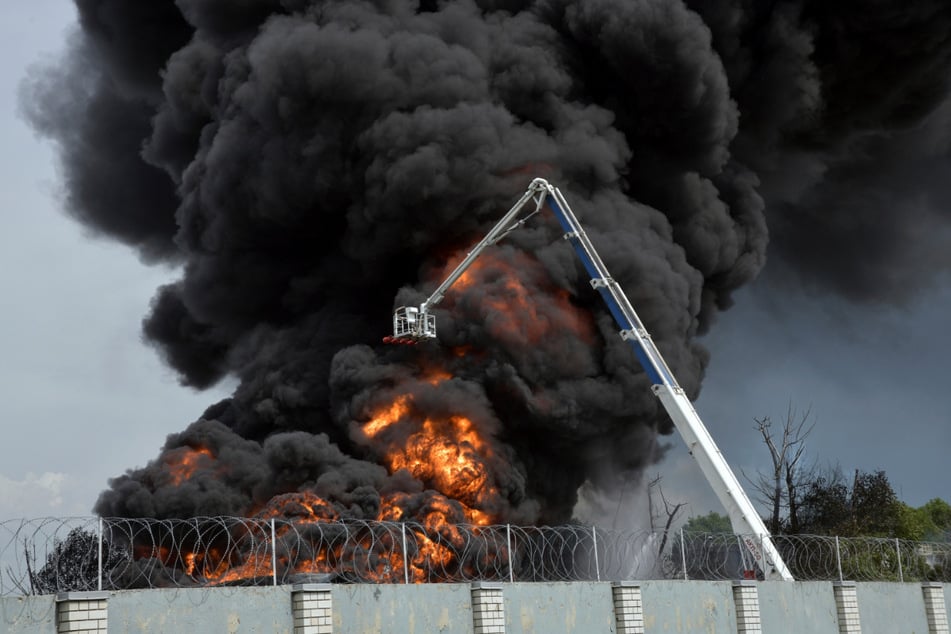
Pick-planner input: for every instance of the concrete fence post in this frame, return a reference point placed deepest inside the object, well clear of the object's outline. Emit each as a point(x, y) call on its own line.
point(847, 607)
point(935, 608)
point(82, 612)
point(488, 608)
point(746, 600)
point(312, 605)
point(628, 608)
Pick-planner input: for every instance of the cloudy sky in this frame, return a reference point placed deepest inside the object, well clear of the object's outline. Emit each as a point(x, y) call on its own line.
point(84, 399)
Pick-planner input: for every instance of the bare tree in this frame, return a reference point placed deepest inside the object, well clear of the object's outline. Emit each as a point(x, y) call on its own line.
point(670, 512)
point(781, 487)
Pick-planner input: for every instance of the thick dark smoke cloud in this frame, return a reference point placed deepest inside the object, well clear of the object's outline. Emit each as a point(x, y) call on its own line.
point(845, 122)
point(306, 162)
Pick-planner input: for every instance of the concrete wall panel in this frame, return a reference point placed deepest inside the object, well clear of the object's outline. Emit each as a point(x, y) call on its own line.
point(892, 608)
point(688, 606)
point(28, 615)
point(558, 608)
point(402, 609)
point(219, 610)
point(793, 608)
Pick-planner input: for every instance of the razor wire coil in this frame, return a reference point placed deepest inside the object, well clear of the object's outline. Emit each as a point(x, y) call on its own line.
point(51, 555)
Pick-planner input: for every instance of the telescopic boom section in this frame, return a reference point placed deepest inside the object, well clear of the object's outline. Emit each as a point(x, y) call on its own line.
point(411, 324)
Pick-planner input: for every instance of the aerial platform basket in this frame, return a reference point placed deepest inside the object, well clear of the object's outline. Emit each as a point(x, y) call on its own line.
point(410, 323)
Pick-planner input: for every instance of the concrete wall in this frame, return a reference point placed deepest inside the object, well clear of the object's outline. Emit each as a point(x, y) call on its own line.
point(688, 606)
point(794, 608)
point(28, 615)
point(558, 608)
point(412, 609)
point(199, 610)
point(892, 608)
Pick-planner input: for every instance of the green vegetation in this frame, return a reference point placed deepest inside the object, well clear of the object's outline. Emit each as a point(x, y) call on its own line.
point(712, 522)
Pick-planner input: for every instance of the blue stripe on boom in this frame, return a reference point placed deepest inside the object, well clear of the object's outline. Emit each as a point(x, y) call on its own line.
point(558, 213)
point(642, 355)
point(585, 258)
point(563, 220)
point(645, 361)
point(615, 309)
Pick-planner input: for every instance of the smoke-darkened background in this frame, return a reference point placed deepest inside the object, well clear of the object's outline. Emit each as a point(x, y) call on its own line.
point(305, 163)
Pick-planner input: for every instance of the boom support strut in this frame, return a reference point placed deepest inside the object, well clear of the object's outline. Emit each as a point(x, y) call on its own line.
point(412, 324)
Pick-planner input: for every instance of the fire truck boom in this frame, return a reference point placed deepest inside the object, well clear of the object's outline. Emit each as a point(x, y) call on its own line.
point(411, 324)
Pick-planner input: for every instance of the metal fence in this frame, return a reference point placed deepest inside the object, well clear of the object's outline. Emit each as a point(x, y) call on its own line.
point(816, 558)
point(43, 556)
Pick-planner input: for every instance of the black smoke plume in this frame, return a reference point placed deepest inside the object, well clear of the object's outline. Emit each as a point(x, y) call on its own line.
point(305, 162)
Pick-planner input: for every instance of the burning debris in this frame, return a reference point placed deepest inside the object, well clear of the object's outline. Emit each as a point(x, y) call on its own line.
point(306, 162)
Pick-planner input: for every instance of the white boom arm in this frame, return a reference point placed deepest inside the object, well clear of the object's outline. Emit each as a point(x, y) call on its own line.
point(414, 324)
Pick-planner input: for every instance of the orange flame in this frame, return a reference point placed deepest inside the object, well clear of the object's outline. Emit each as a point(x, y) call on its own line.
point(397, 410)
point(518, 302)
point(301, 506)
point(184, 462)
point(254, 566)
point(448, 455)
point(437, 376)
point(432, 547)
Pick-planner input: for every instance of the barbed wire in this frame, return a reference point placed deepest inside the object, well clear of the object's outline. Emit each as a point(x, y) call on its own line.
point(49, 555)
point(819, 558)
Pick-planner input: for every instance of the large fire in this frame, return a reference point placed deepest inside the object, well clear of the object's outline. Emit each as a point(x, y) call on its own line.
point(449, 454)
point(446, 455)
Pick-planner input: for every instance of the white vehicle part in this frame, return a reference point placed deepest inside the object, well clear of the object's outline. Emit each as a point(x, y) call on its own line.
point(411, 324)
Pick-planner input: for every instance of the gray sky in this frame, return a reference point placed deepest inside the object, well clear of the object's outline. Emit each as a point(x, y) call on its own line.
point(85, 399)
point(875, 380)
